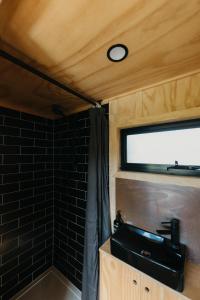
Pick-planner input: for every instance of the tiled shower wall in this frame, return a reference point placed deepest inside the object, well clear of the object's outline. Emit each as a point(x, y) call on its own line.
point(38, 190)
point(26, 199)
point(71, 138)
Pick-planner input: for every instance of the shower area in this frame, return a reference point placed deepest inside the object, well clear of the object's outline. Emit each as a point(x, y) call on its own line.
point(44, 192)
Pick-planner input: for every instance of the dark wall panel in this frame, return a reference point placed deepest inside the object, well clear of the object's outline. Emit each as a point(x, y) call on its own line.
point(26, 199)
point(146, 205)
point(71, 138)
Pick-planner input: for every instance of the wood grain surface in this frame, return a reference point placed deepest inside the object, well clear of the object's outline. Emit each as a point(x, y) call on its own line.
point(69, 41)
point(23, 91)
point(172, 101)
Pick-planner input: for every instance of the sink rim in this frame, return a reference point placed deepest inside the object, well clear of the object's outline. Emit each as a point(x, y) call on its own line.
point(178, 254)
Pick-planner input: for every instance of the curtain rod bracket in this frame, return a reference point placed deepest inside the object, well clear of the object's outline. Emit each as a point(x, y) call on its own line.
point(98, 105)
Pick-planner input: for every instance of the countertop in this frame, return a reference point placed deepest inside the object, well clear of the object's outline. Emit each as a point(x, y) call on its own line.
point(192, 276)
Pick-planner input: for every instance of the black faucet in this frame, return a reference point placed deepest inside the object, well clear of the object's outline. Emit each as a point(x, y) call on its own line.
point(118, 221)
point(173, 229)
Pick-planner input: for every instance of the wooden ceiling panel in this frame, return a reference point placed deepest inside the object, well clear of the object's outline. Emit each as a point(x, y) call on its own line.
point(69, 40)
point(26, 92)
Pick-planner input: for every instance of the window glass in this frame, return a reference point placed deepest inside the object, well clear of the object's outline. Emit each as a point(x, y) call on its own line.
point(165, 147)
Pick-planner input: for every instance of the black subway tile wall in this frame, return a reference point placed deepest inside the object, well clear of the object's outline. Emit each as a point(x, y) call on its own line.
point(71, 138)
point(43, 190)
point(26, 199)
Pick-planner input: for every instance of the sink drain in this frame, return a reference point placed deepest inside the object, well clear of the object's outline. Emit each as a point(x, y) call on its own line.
point(145, 253)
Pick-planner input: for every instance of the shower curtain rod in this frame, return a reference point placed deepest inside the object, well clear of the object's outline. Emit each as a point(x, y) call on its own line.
point(42, 75)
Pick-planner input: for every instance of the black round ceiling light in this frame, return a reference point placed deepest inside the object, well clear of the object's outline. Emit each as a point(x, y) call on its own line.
point(117, 52)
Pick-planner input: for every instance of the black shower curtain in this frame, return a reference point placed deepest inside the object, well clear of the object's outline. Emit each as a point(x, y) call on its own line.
point(98, 226)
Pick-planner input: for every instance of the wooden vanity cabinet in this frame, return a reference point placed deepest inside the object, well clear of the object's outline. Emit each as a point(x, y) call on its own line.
point(119, 281)
point(150, 289)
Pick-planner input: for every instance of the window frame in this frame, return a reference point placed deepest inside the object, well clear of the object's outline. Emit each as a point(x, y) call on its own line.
point(156, 168)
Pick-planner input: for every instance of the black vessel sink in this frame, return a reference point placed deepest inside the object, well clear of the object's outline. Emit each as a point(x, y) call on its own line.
point(150, 253)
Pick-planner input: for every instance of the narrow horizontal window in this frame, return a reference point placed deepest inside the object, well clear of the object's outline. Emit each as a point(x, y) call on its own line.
point(172, 148)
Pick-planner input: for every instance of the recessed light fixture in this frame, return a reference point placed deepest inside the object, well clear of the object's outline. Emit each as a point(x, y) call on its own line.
point(117, 52)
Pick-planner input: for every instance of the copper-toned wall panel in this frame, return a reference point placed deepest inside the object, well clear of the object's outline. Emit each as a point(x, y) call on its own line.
point(146, 204)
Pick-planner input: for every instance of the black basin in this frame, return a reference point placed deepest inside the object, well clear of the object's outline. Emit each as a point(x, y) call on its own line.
point(150, 253)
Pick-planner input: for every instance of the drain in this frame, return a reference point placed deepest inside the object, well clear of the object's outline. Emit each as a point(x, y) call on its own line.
point(145, 253)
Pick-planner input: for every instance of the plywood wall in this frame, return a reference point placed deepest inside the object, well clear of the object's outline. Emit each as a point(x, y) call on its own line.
point(175, 100)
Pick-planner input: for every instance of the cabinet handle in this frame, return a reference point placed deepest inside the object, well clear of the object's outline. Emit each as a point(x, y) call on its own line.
point(147, 289)
point(135, 282)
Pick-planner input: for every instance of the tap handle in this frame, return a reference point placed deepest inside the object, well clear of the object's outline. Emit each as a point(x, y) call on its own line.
point(163, 232)
point(174, 220)
point(165, 223)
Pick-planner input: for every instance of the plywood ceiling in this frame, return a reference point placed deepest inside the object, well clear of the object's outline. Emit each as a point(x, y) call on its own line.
point(68, 40)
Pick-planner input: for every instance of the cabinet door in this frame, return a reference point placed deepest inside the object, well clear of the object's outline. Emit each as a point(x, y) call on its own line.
point(117, 280)
point(169, 294)
point(110, 278)
point(150, 289)
point(131, 283)
point(153, 290)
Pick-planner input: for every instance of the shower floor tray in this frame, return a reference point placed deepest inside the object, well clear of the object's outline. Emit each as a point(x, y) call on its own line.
point(53, 285)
